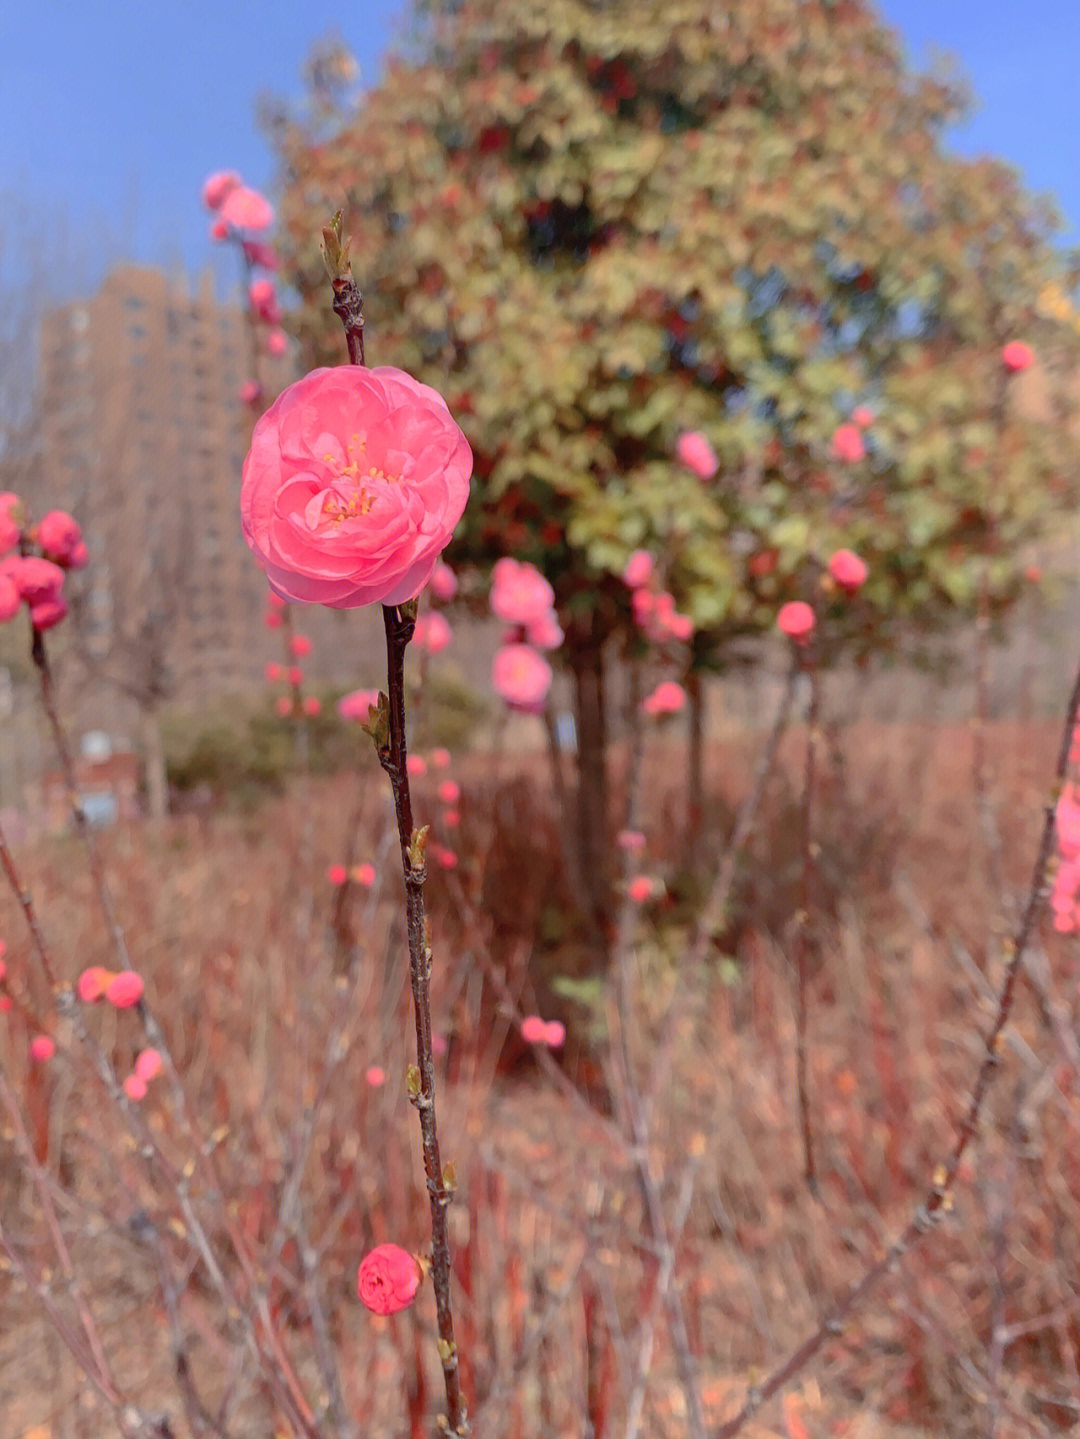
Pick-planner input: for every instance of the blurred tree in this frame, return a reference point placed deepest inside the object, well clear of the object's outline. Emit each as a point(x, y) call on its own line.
point(596, 224)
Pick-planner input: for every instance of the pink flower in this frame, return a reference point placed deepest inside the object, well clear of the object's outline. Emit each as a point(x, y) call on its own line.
point(545, 633)
point(631, 840)
point(643, 603)
point(261, 292)
point(1017, 356)
point(680, 627)
point(59, 536)
point(9, 599)
point(47, 613)
point(312, 705)
point(36, 580)
point(444, 583)
point(445, 858)
point(847, 444)
point(273, 672)
point(148, 1065)
point(449, 791)
point(436, 633)
point(440, 757)
point(245, 209)
point(695, 452)
point(337, 874)
point(521, 677)
point(300, 646)
point(353, 485)
point(295, 675)
point(519, 592)
point(451, 819)
point(639, 569)
point(42, 1048)
point(375, 1075)
point(364, 875)
point(124, 990)
point(533, 1029)
point(796, 620)
point(848, 570)
point(554, 1034)
point(250, 392)
point(217, 186)
point(640, 888)
point(277, 342)
point(283, 706)
point(416, 765)
point(134, 1087)
point(92, 983)
point(355, 706)
point(388, 1279)
point(863, 416)
point(666, 699)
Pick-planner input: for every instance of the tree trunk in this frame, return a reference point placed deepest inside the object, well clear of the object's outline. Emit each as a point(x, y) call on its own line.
point(157, 784)
point(593, 849)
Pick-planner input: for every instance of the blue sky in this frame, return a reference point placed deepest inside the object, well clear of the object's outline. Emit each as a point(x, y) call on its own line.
point(111, 114)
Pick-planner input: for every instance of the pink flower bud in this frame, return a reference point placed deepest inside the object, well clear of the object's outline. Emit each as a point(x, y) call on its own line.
point(59, 536)
point(416, 765)
point(445, 858)
point(533, 1029)
point(863, 416)
point(695, 452)
point(283, 706)
point(436, 634)
point(148, 1065)
point(300, 646)
point(639, 569)
point(449, 791)
point(273, 672)
point(93, 982)
point(48, 613)
point(275, 601)
point(355, 706)
point(451, 819)
point(295, 675)
point(364, 875)
point(337, 874)
point(124, 990)
point(640, 888)
point(1017, 356)
point(42, 1048)
point(36, 580)
point(312, 705)
point(217, 186)
point(796, 620)
point(848, 445)
point(134, 1087)
point(272, 620)
point(666, 699)
point(257, 252)
point(631, 840)
point(375, 1075)
point(544, 633)
point(554, 1034)
point(277, 342)
point(388, 1279)
point(848, 570)
point(250, 392)
point(219, 230)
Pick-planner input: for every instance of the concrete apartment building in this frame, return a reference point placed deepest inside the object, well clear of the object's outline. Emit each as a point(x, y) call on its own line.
point(143, 438)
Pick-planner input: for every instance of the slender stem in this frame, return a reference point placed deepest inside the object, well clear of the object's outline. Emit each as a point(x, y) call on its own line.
point(938, 1200)
point(399, 624)
point(807, 893)
point(349, 308)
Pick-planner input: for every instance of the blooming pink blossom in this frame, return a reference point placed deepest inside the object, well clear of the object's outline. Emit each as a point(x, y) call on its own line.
point(863, 416)
point(92, 983)
point(848, 570)
point(250, 392)
point(353, 485)
point(245, 209)
point(364, 875)
point(277, 342)
point(848, 445)
point(42, 1048)
point(444, 858)
point(124, 990)
point(449, 791)
point(695, 452)
point(312, 705)
point(36, 579)
point(148, 1065)
point(375, 1075)
point(1017, 355)
point(416, 765)
point(533, 1029)
point(388, 1279)
point(545, 633)
point(217, 186)
point(433, 633)
point(640, 888)
point(796, 620)
point(355, 706)
point(337, 874)
point(135, 1087)
point(444, 583)
point(519, 592)
point(440, 757)
point(554, 1034)
point(521, 677)
point(639, 569)
point(666, 699)
point(631, 840)
point(300, 646)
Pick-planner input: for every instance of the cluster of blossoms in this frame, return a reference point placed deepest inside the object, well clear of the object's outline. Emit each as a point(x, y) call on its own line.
point(148, 1065)
point(654, 609)
point(241, 214)
point(549, 1032)
point(34, 560)
point(523, 599)
point(297, 647)
point(361, 874)
point(848, 443)
point(846, 572)
point(123, 988)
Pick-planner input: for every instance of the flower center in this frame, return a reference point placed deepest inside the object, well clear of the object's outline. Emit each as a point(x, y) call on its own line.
point(349, 494)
